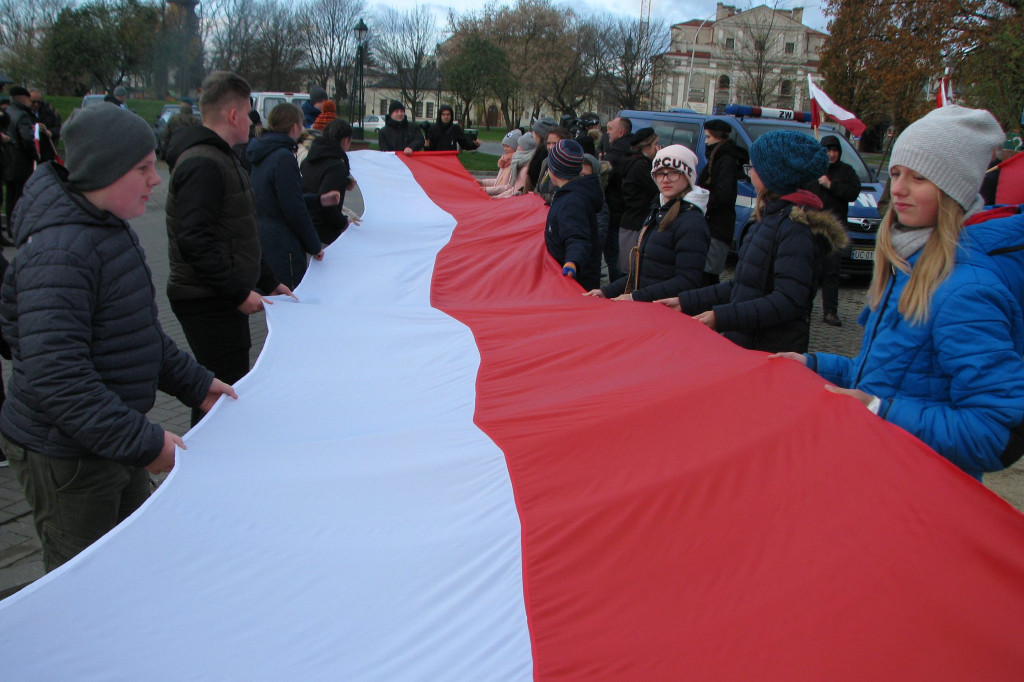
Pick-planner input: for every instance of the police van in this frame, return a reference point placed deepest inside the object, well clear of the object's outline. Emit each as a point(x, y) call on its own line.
point(263, 102)
point(686, 127)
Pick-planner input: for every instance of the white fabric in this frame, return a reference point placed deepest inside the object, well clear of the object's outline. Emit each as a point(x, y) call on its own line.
point(344, 519)
point(826, 103)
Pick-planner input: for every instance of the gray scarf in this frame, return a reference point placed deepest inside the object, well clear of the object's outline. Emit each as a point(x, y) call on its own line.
point(909, 240)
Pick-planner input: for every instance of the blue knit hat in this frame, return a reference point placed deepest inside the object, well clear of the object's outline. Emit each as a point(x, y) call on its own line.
point(565, 160)
point(786, 160)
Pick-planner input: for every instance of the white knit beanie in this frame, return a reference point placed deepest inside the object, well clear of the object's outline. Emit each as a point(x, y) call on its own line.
point(678, 158)
point(952, 147)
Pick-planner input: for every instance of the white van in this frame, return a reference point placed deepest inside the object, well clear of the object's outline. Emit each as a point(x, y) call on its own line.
point(263, 102)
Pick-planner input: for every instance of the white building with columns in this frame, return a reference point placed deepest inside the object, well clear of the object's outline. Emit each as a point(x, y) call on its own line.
point(738, 57)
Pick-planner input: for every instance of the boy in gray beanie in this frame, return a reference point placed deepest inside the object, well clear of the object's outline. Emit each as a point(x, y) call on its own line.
point(88, 352)
point(951, 146)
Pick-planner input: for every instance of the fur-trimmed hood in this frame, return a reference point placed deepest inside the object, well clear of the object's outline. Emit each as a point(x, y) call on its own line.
point(823, 225)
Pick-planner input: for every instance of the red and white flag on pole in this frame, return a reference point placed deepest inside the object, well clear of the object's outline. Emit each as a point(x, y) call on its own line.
point(944, 95)
point(822, 103)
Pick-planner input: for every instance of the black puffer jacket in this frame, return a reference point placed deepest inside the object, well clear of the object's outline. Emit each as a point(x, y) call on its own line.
point(20, 155)
point(723, 170)
point(767, 304)
point(844, 188)
point(447, 137)
point(671, 260)
point(617, 155)
point(324, 169)
point(638, 191)
point(395, 136)
point(79, 312)
point(571, 231)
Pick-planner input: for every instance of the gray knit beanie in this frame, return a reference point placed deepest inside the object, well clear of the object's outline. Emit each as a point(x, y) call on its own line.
point(544, 124)
point(511, 138)
point(952, 147)
point(102, 144)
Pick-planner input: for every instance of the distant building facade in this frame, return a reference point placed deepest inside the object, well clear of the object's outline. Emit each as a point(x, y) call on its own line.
point(759, 57)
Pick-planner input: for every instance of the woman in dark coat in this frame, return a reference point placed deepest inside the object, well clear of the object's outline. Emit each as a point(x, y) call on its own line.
point(638, 190)
point(326, 169)
point(724, 169)
point(669, 257)
point(399, 134)
point(286, 231)
point(767, 304)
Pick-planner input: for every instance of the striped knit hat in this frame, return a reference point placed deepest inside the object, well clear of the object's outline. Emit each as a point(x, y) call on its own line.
point(565, 160)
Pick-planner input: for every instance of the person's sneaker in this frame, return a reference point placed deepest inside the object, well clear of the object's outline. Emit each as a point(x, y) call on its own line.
point(832, 319)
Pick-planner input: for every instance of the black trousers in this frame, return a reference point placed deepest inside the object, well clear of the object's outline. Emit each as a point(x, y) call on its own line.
point(218, 334)
point(14, 190)
point(830, 283)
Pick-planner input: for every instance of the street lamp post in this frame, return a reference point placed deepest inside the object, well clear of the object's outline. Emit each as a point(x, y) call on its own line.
point(693, 49)
point(356, 100)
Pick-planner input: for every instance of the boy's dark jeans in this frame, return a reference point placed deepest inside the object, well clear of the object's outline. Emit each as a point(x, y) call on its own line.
point(75, 500)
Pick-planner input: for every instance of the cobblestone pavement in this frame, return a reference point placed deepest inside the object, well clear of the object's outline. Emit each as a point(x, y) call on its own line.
point(20, 554)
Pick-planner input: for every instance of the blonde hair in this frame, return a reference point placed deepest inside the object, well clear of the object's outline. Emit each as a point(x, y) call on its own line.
point(933, 266)
point(283, 117)
point(673, 210)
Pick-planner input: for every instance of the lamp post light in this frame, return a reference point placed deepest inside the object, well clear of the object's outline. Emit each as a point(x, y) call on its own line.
point(693, 49)
point(357, 103)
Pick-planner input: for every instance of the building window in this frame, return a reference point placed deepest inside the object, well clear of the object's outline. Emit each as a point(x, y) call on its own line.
point(723, 83)
point(759, 46)
point(419, 109)
point(383, 107)
point(790, 48)
point(730, 43)
point(786, 89)
point(696, 95)
point(430, 111)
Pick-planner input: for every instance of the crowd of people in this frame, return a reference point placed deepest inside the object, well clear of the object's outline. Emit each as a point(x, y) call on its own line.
point(246, 212)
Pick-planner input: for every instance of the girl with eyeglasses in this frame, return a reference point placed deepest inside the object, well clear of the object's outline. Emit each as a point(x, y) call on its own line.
point(673, 243)
point(767, 304)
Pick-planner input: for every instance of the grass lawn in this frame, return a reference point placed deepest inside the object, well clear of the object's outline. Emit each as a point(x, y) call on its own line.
point(148, 109)
point(493, 135)
point(475, 161)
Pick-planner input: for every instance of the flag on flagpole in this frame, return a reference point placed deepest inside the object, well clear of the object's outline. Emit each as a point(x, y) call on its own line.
point(944, 95)
point(820, 102)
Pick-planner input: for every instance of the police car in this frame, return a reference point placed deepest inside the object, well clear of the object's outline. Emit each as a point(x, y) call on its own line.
point(686, 127)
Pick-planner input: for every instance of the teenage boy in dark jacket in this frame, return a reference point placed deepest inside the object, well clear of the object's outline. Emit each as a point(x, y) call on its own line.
point(87, 361)
point(836, 188)
point(326, 169)
point(446, 135)
point(571, 234)
point(218, 275)
point(398, 133)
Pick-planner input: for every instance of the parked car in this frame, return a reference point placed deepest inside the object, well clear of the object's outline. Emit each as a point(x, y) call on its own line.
point(92, 100)
point(687, 128)
point(263, 102)
point(161, 124)
point(373, 122)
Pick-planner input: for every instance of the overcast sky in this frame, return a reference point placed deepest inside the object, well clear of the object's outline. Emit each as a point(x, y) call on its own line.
point(670, 11)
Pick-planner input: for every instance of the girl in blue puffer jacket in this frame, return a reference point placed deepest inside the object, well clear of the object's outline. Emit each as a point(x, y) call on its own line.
point(944, 335)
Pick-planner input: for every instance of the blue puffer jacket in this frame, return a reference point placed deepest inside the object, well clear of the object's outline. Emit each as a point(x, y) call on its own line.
point(286, 229)
point(767, 304)
point(79, 312)
point(957, 380)
point(571, 230)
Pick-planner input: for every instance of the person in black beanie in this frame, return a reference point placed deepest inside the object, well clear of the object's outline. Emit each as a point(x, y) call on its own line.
point(399, 134)
point(86, 364)
point(720, 176)
point(836, 188)
point(638, 190)
point(446, 135)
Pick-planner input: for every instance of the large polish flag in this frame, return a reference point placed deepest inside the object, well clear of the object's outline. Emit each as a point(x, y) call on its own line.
point(449, 465)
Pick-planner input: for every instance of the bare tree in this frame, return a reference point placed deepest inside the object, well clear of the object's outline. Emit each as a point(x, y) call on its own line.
point(403, 46)
point(628, 59)
point(761, 56)
point(330, 43)
point(23, 28)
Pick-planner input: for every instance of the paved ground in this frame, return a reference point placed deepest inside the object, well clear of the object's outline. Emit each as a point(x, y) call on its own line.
point(20, 556)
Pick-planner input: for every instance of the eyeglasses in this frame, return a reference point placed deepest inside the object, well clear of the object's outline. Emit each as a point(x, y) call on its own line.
point(670, 175)
point(747, 167)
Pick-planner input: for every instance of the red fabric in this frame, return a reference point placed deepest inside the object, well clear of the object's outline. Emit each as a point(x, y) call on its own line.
point(693, 510)
point(1010, 189)
point(992, 214)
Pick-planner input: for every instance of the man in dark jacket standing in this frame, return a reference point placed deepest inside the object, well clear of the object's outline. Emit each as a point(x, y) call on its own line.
point(86, 364)
point(721, 173)
point(398, 133)
point(446, 135)
point(571, 233)
point(836, 188)
point(49, 119)
point(620, 136)
point(20, 153)
point(218, 275)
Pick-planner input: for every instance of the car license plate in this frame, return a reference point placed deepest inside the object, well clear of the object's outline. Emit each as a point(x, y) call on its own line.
point(862, 254)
